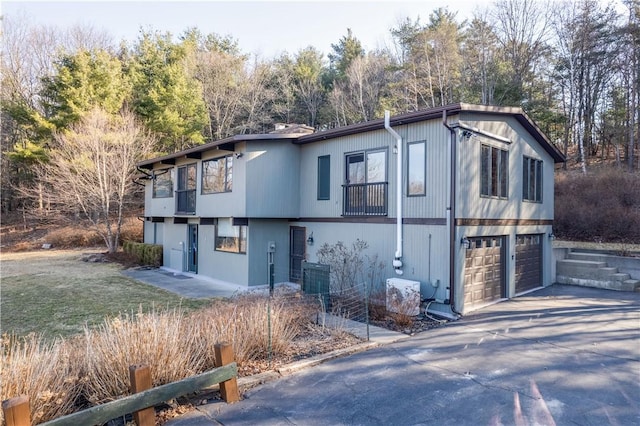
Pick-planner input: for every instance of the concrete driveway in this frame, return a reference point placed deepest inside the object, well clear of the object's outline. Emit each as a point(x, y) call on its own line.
point(563, 355)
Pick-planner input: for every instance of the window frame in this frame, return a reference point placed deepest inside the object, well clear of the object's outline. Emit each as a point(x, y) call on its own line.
point(424, 169)
point(367, 194)
point(324, 177)
point(227, 160)
point(240, 244)
point(535, 194)
point(494, 172)
point(185, 189)
point(168, 171)
point(366, 153)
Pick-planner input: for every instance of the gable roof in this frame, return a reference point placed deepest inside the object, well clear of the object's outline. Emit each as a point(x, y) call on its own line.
point(437, 113)
point(299, 134)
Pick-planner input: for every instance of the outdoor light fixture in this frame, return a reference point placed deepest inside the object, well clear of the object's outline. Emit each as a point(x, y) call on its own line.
point(552, 236)
point(239, 154)
point(465, 243)
point(466, 134)
point(310, 239)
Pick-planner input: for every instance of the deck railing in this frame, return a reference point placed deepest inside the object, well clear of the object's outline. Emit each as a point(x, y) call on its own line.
point(364, 199)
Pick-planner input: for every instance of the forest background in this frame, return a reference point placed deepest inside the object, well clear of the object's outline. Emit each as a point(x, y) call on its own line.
point(573, 66)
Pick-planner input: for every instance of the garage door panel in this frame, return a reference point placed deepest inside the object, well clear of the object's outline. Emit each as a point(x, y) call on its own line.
point(483, 271)
point(528, 262)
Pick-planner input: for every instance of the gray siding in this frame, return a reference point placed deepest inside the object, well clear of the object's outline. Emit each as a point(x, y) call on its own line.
point(162, 207)
point(153, 232)
point(424, 262)
point(260, 233)
point(471, 205)
point(175, 236)
point(224, 204)
point(265, 184)
point(224, 266)
point(272, 188)
point(433, 205)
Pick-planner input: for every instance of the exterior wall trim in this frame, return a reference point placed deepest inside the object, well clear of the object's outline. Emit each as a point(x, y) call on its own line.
point(374, 219)
point(503, 222)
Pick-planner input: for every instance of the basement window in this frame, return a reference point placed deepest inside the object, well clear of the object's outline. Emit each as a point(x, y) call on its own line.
point(231, 235)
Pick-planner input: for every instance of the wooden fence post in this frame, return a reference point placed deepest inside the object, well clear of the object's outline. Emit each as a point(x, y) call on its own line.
point(16, 411)
point(140, 377)
point(228, 389)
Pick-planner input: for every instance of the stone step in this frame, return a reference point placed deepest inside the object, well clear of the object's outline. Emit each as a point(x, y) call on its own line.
point(628, 285)
point(583, 263)
point(579, 268)
point(631, 285)
point(591, 257)
point(620, 277)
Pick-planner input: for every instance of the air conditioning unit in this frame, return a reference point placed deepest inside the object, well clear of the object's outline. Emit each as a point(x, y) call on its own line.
point(403, 296)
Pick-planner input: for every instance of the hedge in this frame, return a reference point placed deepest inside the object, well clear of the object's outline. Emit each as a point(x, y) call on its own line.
point(145, 254)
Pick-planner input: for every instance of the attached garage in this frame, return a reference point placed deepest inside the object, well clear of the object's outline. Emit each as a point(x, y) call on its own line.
point(528, 262)
point(484, 271)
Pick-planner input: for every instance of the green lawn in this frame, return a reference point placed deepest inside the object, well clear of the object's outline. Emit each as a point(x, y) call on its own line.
point(56, 294)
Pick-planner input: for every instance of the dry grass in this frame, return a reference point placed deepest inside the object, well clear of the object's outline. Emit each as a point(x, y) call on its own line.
point(602, 206)
point(43, 371)
point(61, 376)
point(61, 236)
point(162, 340)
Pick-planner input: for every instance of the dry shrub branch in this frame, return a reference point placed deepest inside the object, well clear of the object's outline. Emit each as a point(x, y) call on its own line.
point(64, 376)
point(603, 206)
point(45, 372)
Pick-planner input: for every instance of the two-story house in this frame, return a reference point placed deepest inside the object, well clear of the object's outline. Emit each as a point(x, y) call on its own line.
point(459, 198)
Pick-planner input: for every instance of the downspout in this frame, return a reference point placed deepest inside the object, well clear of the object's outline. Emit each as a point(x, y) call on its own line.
point(397, 261)
point(452, 216)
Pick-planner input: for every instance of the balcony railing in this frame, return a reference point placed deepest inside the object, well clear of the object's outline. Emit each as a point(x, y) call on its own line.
point(364, 199)
point(186, 201)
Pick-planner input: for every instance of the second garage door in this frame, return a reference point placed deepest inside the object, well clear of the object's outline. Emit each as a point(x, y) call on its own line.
point(528, 262)
point(483, 271)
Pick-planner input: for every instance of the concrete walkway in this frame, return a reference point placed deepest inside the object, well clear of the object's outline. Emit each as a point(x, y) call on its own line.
point(186, 285)
point(563, 355)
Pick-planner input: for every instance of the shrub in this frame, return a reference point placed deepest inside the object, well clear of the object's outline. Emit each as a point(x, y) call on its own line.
point(131, 230)
point(160, 339)
point(94, 367)
point(600, 206)
point(43, 371)
point(73, 236)
point(146, 254)
point(349, 266)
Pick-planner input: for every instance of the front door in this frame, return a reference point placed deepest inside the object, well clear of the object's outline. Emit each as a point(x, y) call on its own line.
point(192, 249)
point(297, 251)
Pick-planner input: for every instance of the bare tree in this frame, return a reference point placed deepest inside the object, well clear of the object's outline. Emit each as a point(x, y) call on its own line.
point(92, 169)
point(358, 97)
point(224, 82)
point(521, 27)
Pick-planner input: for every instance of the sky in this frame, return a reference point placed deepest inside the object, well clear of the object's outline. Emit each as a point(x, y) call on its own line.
point(265, 28)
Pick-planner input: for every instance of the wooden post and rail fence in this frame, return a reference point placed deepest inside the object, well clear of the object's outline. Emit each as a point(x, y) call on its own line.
point(144, 397)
